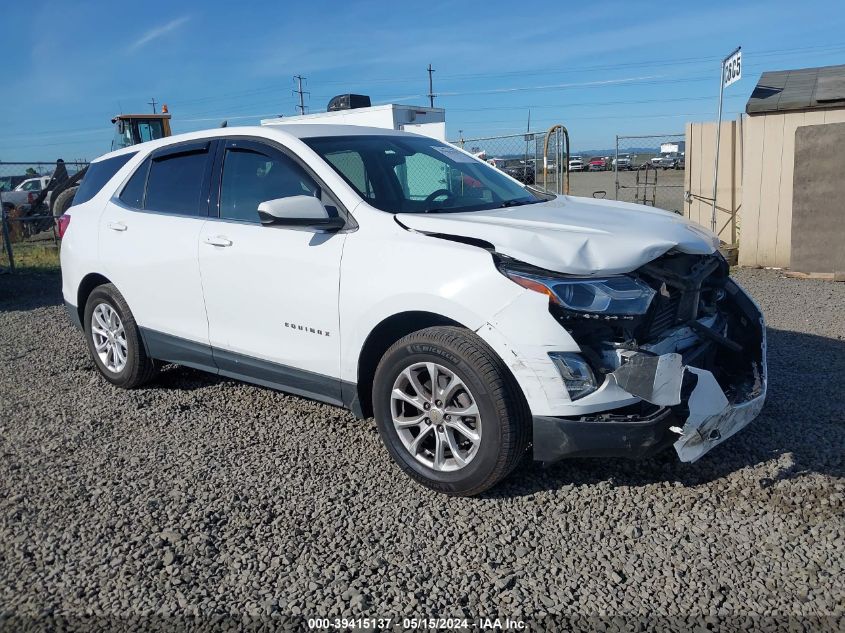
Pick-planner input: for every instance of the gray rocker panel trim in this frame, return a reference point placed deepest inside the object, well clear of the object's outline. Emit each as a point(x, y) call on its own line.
point(181, 351)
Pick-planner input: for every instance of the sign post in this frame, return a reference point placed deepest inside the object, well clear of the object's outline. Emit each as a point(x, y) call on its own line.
point(731, 71)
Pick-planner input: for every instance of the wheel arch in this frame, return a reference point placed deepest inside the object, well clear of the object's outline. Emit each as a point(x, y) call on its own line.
point(379, 340)
point(86, 287)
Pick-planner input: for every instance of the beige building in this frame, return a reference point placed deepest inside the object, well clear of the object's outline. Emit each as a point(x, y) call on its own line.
point(781, 182)
point(783, 103)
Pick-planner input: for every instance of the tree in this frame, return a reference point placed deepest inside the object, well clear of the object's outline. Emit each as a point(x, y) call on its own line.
point(31, 172)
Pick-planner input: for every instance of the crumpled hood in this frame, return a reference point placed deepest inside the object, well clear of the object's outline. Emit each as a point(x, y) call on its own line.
point(577, 236)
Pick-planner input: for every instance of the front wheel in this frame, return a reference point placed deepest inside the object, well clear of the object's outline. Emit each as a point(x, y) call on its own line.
point(449, 412)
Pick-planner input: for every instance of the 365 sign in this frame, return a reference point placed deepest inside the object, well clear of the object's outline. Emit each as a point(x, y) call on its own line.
point(732, 69)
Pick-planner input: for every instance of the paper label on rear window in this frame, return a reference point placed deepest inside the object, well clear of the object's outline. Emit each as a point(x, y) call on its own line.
point(455, 154)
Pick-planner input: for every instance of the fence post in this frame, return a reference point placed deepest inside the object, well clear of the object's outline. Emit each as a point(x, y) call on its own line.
point(7, 240)
point(616, 167)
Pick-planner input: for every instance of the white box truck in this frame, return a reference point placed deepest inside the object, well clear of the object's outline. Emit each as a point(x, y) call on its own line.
point(355, 110)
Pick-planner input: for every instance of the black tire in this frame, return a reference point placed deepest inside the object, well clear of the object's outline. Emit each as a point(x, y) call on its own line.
point(506, 419)
point(139, 368)
point(63, 201)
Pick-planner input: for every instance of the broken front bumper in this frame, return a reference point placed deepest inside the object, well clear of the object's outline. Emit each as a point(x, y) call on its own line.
point(690, 407)
point(635, 435)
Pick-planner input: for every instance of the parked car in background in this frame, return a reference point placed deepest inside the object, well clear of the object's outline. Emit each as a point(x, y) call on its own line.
point(576, 163)
point(597, 163)
point(353, 266)
point(522, 171)
point(33, 184)
point(8, 183)
point(672, 160)
point(26, 192)
point(622, 162)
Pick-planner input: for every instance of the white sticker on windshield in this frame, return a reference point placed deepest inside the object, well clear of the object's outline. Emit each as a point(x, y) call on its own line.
point(454, 153)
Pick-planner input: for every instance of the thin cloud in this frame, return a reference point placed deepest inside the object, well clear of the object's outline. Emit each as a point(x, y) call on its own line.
point(157, 32)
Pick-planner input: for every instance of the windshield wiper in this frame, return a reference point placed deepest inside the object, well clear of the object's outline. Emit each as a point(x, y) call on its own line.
point(516, 203)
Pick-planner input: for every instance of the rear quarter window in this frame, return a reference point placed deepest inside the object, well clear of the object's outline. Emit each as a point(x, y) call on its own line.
point(133, 193)
point(98, 175)
point(175, 179)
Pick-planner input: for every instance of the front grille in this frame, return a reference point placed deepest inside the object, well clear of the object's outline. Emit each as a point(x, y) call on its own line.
point(665, 313)
point(677, 280)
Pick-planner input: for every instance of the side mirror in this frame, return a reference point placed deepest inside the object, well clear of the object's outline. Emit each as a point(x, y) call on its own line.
point(305, 211)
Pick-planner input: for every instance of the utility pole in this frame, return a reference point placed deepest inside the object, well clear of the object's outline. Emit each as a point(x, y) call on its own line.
point(301, 93)
point(430, 86)
point(153, 103)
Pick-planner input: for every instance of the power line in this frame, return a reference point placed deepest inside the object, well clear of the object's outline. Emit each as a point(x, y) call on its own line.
point(213, 115)
point(592, 104)
point(818, 49)
point(649, 64)
point(687, 61)
point(752, 54)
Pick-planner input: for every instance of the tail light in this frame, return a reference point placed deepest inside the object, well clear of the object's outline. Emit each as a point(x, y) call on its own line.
point(62, 223)
point(30, 197)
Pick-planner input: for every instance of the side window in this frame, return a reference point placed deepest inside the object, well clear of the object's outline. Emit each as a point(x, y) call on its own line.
point(351, 165)
point(98, 175)
point(174, 183)
point(133, 193)
point(35, 185)
point(252, 176)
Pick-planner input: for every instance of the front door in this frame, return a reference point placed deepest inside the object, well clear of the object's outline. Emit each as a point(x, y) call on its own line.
point(271, 292)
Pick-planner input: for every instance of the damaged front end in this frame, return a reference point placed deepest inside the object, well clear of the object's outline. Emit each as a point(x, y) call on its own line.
point(696, 359)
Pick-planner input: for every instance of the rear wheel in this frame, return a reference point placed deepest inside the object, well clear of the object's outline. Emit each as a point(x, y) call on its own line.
point(114, 339)
point(449, 412)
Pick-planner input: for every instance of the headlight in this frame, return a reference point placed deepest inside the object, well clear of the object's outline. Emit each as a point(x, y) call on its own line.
point(617, 295)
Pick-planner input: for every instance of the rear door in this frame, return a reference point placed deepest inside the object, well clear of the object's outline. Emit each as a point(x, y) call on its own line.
point(271, 291)
point(148, 246)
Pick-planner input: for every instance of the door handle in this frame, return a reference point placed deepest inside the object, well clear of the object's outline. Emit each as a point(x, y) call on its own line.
point(117, 226)
point(218, 240)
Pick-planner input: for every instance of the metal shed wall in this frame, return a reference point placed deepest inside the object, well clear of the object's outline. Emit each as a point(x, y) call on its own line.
point(766, 210)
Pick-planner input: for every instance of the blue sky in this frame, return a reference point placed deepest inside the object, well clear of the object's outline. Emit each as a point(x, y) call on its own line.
point(602, 68)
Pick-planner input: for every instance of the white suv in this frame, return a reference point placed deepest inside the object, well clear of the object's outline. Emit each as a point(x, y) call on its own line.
point(403, 278)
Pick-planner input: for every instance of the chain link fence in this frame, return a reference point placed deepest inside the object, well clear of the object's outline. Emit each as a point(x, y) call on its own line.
point(521, 156)
point(29, 238)
point(649, 170)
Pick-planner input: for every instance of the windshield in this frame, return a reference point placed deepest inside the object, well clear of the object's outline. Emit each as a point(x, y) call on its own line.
point(414, 174)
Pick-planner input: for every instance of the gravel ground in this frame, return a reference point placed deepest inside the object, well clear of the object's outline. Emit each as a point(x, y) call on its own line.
point(208, 498)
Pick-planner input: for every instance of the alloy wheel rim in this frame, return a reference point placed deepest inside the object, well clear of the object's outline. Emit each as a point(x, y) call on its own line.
point(435, 416)
point(109, 338)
